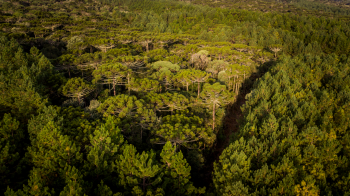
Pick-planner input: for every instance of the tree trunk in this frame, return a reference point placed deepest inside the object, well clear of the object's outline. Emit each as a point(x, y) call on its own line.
point(229, 83)
point(176, 147)
point(213, 116)
point(114, 88)
point(129, 84)
point(144, 184)
point(198, 88)
point(234, 83)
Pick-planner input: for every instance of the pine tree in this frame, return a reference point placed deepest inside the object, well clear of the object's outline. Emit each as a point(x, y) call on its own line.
point(11, 137)
point(36, 124)
point(104, 190)
point(138, 169)
point(18, 95)
point(104, 146)
point(51, 151)
point(74, 182)
point(232, 171)
point(36, 184)
point(177, 173)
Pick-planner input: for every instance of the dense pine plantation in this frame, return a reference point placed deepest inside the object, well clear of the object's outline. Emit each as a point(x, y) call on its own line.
point(136, 97)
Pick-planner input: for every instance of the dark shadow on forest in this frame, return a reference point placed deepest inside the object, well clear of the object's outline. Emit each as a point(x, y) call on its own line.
point(231, 123)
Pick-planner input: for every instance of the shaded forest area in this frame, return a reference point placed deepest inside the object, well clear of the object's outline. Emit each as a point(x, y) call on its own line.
point(164, 97)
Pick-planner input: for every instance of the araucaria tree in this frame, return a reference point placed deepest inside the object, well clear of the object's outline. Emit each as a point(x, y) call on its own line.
point(184, 77)
point(214, 96)
point(183, 131)
point(199, 77)
point(76, 88)
point(111, 73)
point(128, 97)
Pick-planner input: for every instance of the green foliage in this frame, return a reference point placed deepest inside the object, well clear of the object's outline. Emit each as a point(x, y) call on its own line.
point(75, 44)
point(73, 181)
point(184, 77)
point(11, 137)
point(66, 62)
point(199, 77)
point(214, 96)
point(183, 131)
point(21, 84)
point(102, 151)
point(36, 184)
point(105, 190)
point(291, 141)
point(77, 124)
point(216, 66)
point(177, 172)
point(120, 106)
point(167, 101)
point(293, 135)
point(144, 85)
point(76, 88)
point(163, 66)
point(50, 150)
point(113, 73)
point(131, 113)
point(138, 169)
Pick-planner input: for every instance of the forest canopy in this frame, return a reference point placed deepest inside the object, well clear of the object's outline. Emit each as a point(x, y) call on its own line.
point(167, 97)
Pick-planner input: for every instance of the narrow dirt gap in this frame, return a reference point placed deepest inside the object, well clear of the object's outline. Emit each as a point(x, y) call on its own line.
point(231, 125)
